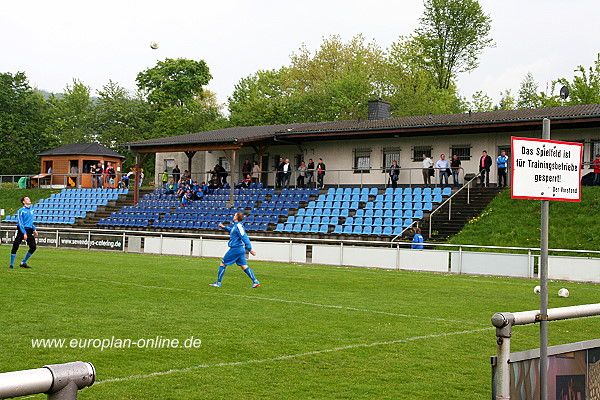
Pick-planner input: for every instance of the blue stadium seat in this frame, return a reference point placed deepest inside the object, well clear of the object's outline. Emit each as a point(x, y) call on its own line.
point(387, 222)
point(373, 191)
point(426, 191)
point(360, 213)
point(378, 230)
point(337, 229)
point(418, 214)
point(387, 230)
point(333, 221)
point(301, 211)
point(348, 229)
point(447, 191)
point(407, 222)
point(410, 191)
point(357, 230)
point(368, 221)
point(349, 221)
point(367, 230)
point(378, 221)
point(408, 214)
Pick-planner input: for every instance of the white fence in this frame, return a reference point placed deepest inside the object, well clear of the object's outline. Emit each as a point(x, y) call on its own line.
point(445, 258)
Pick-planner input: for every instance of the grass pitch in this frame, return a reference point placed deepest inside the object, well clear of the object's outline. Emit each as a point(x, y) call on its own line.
point(309, 332)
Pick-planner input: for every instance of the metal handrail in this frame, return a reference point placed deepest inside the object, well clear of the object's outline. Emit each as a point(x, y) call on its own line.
point(449, 200)
point(404, 230)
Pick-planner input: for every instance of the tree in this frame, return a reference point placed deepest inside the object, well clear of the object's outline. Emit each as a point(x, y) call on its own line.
point(260, 99)
point(175, 83)
point(24, 121)
point(452, 34)
point(528, 93)
point(507, 101)
point(411, 88)
point(584, 89)
point(73, 114)
point(481, 102)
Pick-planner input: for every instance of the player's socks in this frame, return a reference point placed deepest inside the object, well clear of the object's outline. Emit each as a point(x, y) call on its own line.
point(12, 259)
point(250, 273)
point(222, 270)
point(26, 258)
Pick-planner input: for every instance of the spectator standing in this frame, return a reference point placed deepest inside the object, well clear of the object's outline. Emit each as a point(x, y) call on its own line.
point(279, 174)
point(99, 176)
point(176, 173)
point(165, 178)
point(246, 168)
point(286, 173)
point(141, 176)
point(301, 173)
point(485, 163)
point(256, 172)
point(417, 240)
point(111, 175)
point(443, 167)
point(321, 174)
point(310, 170)
point(455, 165)
point(502, 162)
point(596, 165)
point(94, 176)
point(394, 174)
point(427, 165)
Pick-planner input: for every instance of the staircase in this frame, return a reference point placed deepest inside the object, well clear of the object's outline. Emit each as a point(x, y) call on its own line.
point(442, 228)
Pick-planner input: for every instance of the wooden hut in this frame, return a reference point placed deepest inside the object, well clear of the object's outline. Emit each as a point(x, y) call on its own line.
point(69, 165)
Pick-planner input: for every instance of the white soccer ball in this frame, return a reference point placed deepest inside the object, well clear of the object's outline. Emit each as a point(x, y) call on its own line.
point(153, 45)
point(563, 292)
point(537, 290)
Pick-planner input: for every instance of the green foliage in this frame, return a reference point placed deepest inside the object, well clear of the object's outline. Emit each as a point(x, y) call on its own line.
point(174, 83)
point(584, 89)
point(73, 114)
point(24, 122)
point(309, 332)
point(10, 199)
point(514, 222)
point(481, 102)
point(507, 101)
point(452, 35)
point(528, 93)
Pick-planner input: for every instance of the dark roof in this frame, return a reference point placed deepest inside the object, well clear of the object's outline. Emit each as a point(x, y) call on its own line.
point(431, 122)
point(235, 134)
point(425, 124)
point(82, 149)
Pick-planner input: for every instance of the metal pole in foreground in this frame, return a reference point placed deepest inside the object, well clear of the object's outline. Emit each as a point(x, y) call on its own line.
point(59, 381)
point(543, 273)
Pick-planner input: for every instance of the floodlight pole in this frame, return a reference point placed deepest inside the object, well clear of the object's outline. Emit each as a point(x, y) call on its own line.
point(543, 274)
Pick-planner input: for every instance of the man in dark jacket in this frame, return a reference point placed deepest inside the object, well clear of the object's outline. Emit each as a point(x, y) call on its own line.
point(485, 163)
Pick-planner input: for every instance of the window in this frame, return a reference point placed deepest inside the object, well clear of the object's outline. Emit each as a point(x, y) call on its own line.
point(504, 148)
point(362, 160)
point(419, 151)
point(390, 154)
point(463, 151)
point(169, 164)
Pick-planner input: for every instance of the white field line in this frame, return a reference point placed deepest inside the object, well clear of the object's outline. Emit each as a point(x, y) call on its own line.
point(215, 291)
point(287, 357)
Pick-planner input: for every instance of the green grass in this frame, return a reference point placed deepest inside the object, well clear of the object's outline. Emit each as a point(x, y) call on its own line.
point(516, 223)
point(309, 332)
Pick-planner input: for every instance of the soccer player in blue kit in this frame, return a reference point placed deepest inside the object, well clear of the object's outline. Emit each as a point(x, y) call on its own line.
point(238, 244)
point(25, 231)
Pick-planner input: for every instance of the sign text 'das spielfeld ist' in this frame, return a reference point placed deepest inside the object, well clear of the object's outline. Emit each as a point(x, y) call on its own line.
point(546, 169)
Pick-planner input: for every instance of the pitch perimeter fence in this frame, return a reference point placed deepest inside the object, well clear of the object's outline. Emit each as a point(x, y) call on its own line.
point(570, 265)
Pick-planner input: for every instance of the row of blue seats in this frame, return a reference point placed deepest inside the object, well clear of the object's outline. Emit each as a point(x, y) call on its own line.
point(312, 220)
point(88, 190)
point(291, 197)
point(404, 191)
point(147, 209)
point(334, 212)
point(411, 198)
point(208, 210)
point(369, 230)
point(378, 221)
point(349, 205)
point(255, 197)
point(44, 219)
point(175, 224)
point(74, 202)
point(60, 213)
point(279, 204)
point(418, 214)
point(135, 215)
point(398, 206)
point(63, 195)
point(123, 222)
point(302, 228)
point(63, 206)
point(223, 203)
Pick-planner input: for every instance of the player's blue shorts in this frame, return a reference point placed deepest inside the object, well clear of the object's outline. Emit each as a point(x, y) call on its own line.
point(235, 255)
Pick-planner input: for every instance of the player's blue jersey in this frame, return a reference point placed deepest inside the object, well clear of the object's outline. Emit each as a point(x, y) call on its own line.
point(25, 219)
point(238, 236)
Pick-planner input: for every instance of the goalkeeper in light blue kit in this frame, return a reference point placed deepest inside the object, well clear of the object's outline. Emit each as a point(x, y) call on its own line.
point(238, 244)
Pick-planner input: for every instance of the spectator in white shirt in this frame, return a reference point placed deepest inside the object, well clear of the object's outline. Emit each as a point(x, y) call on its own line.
point(443, 167)
point(427, 164)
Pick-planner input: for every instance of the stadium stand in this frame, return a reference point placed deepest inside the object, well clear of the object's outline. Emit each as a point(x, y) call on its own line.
point(69, 205)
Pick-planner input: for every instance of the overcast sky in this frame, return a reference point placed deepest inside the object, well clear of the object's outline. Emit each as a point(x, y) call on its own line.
point(56, 41)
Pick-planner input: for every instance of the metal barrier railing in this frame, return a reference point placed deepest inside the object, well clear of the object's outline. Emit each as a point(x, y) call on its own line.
point(59, 381)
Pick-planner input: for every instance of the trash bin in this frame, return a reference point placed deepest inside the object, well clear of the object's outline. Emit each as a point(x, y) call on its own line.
point(23, 182)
